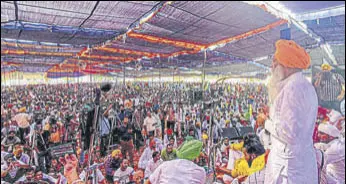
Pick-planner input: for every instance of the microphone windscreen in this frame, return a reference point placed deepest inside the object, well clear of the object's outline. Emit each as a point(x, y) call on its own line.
point(106, 87)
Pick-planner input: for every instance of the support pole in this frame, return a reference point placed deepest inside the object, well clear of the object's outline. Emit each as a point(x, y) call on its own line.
point(124, 76)
point(203, 75)
point(160, 71)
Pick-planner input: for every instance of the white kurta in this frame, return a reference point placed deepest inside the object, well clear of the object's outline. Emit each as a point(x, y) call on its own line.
point(335, 160)
point(293, 115)
point(145, 158)
point(265, 139)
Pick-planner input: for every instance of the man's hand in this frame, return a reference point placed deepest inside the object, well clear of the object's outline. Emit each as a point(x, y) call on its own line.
point(342, 94)
point(241, 178)
point(268, 125)
point(17, 164)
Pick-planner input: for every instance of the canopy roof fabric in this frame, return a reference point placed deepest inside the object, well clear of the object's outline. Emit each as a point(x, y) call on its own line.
point(76, 38)
point(301, 7)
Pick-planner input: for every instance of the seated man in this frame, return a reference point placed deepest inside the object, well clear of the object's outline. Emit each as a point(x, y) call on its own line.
point(99, 176)
point(147, 155)
point(225, 145)
point(3, 154)
point(250, 168)
point(333, 151)
point(153, 164)
point(191, 135)
point(112, 164)
point(42, 177)
point(158, 142)
point(10, 140)
point(169, 138)
point(18, 152)
point(124, 174)
point(11, 169)
point(28, 177)
point(169, 153)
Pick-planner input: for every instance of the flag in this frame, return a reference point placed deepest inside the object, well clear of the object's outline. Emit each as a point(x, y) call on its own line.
point(250, 110)
point(206, 86)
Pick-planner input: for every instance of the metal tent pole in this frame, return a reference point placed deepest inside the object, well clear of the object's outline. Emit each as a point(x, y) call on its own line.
point(124, 80)
point(160, 71)
point(203, 75)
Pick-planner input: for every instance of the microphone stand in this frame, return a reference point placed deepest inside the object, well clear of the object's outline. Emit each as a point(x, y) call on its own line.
point(211, 146)
point(211, 137)
point(94, 131)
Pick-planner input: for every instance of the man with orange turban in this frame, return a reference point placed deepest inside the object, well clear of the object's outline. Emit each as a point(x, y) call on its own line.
point(292, 117)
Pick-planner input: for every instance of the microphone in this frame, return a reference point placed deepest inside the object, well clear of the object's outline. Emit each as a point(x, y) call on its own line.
point(106, 87)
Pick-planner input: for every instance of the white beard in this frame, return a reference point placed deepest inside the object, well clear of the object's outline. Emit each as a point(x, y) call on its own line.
point(272, 91)
point(273, 85)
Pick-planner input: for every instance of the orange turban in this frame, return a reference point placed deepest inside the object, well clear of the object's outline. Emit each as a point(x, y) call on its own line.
point(291, 55)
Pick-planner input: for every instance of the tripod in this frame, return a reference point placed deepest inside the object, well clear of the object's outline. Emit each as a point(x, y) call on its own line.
point(113, 124)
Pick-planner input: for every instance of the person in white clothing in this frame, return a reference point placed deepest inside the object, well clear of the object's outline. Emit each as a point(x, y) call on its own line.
point(292, 117)
point(3, 154)
point(334, 153)
point(265, 139)
point(124, 174)
point(149, 123)
point(225, 145)
point(336, 119)
point(147, 155)
point(153, 164)
point(99, 176)
point(182, 170)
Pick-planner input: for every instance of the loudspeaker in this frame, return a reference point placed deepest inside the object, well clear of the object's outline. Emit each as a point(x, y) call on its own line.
point(245, 130)
point(231, 133)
